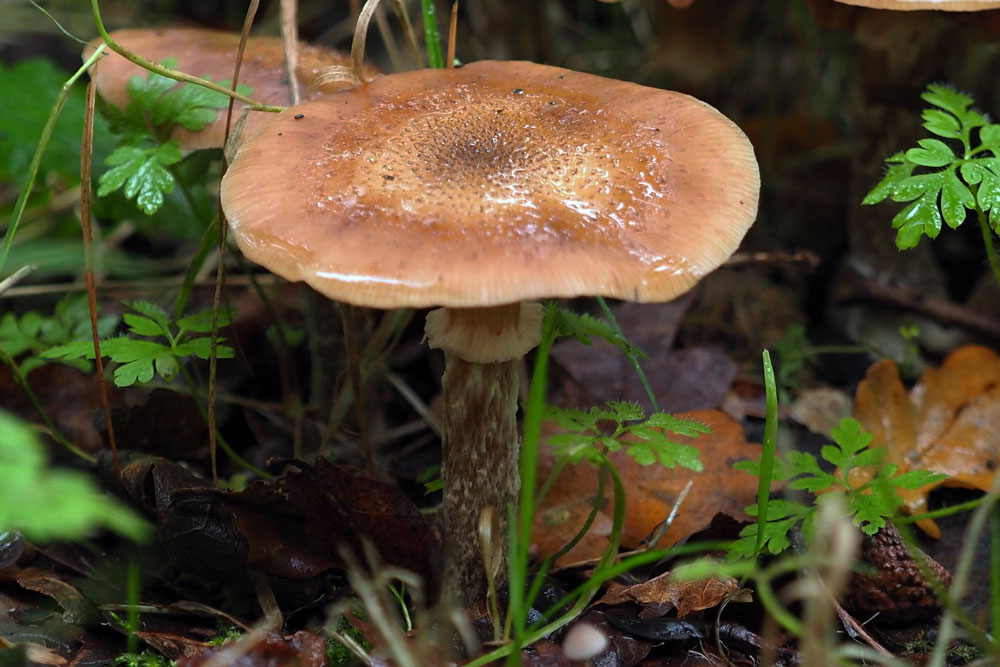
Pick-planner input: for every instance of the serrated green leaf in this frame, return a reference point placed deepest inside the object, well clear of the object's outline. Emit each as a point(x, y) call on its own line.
point(850, 435)
point(932, 153)
point(626, 411)
point(169, 153)
point(125, 161)
point(989, 136)
point(143, 326)
point(834, 455)
point(677, 425)
point(193, 106)
point(149, 185)
point(869, 457)
point(947, 99)
point(73, 350)
point(955, 198)
point(910, 188)
point(202, 322)
point(813, 484)
point(140, 370)
point(988, 194)
point(568, 419)
point(941, 123)
point(146, 91)
point(141, 173)
point(150, 310)
point(166, 367)
point(582, 327)
point(916, 220)
point(202, 348)
point(971, 172)
point(974, 119)
point(899, 170)
point(670, 454)
point(914, 479)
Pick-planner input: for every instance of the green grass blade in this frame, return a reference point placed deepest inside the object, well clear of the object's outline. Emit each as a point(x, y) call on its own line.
point(432, 38)
point(767, 455)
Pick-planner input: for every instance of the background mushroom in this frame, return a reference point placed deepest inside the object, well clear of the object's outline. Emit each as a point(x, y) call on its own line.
point(944, 5)
point(480, 189)
point(212, 53)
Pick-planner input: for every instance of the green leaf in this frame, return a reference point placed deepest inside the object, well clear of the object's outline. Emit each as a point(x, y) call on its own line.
point(150, 310)
point(146, 91)
point(202, 348)
point(989, 136)
point(850, 435)
point(948, 99)
point(141, 171)
point(29, 88)
point(942, 124)
point(202, 322)
point(914, 479)
point(910, 188)
point(143, 326)
point(166, 367)
point(988, 194)
point(624, 411)
point(971, 172)
point(670, 454)
point(582, 327)
point(955, 198)
point(46, 503)
point(932, 153)
point(899, 170)
point(918, 219)
point(193, 106)
point(677, 425)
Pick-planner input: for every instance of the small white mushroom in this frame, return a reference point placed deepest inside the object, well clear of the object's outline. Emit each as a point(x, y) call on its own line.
point(584, 641)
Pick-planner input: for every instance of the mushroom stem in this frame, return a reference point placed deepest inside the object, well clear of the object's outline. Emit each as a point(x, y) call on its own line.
point(479, 465)
point(479, 429)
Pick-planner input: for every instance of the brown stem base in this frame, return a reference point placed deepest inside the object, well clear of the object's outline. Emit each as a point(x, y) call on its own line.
point(479, 467)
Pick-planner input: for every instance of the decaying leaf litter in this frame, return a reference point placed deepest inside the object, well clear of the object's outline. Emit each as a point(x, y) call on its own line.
point(706, 358)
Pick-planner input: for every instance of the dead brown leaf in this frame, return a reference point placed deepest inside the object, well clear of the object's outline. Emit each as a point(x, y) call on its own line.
point(663, 593)
point(650, 494)
point(949, 423)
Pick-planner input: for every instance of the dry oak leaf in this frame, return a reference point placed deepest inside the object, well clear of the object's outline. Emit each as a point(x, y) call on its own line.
point(650, 494)
point(662, 593)
point(949, 423)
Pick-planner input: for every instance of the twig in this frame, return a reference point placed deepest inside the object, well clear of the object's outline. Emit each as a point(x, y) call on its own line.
point(86, 152)
point(918, 302)
point(452, 32)
point(7, 283)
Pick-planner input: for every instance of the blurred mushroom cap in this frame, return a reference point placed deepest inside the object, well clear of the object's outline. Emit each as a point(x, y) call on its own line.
point(943, 5)
point(201, 52)
point(493, 183)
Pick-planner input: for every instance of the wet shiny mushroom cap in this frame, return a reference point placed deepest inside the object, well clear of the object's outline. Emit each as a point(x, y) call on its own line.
point(493, 183)
point(202, 52)
point(943, 5)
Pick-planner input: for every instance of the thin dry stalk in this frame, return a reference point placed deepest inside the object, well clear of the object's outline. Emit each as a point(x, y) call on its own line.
point(221, 274)
point(290, 43)
point(452, 31)
point(86, 151)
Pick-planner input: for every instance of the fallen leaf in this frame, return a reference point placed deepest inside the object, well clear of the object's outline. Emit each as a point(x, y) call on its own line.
point(662, 593)
point(303, 649)
point(949, 423)
point(650, 494)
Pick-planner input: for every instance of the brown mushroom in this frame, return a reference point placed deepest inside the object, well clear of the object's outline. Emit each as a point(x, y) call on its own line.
point(204, 52)
point(480, 189)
